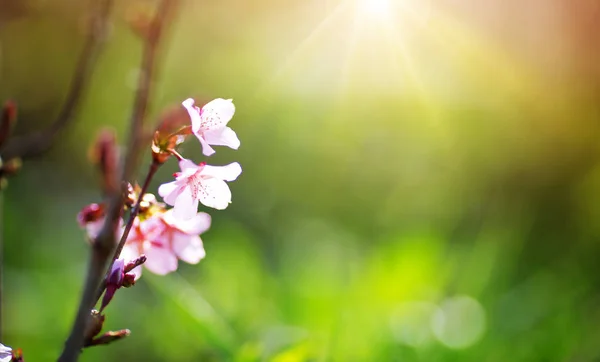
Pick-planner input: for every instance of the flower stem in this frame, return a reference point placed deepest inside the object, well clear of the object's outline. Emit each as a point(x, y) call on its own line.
point(134, 213)
point(176, 154)
point(1, 259)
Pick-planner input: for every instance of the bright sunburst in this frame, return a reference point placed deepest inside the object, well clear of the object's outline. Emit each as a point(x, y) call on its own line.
point(376, 8)
point(399, 47)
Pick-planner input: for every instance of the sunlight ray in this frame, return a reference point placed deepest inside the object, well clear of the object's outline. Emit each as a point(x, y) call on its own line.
point(303, 47)
point(456, 37)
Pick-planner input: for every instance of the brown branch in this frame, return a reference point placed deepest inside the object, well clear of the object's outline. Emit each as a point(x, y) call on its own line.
point(104, 246)
point(35, 144)
point(152, 36)
point(136, 209)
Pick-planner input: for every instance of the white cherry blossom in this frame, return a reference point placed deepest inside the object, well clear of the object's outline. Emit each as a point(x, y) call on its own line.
point(199, 183)
point(209, 124)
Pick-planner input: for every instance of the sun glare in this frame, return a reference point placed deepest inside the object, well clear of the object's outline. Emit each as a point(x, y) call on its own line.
point(378, 8)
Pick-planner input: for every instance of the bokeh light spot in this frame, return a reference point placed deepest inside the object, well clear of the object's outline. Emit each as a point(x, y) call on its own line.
point(410, 323)
point(459, 323)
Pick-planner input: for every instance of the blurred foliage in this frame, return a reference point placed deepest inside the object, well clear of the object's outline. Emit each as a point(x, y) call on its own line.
point(429, 192)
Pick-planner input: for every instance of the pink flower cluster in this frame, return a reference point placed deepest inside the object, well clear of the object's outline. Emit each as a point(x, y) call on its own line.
point(164, 235)
point(164, 239)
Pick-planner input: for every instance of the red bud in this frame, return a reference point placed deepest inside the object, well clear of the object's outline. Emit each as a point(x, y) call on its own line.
point(9, 116)
point(90, 213)
point(105, 154)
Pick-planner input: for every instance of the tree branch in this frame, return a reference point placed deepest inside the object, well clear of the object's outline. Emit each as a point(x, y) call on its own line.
point(134, 212)
point(104, 246)
point(37, 143)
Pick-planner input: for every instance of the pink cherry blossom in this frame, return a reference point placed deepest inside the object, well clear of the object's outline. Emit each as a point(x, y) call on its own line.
point(209, 124)
point(164, 239)
point(199, 183)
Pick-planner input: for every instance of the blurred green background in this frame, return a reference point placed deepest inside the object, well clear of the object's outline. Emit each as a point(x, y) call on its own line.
point(421, 181)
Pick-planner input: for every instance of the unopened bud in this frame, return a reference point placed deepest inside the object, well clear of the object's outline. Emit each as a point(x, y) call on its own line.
point(113, 282)
point(139, 19)
point(174, 120)
point(135, 263)
point(116, 274)
point(109, 337)
point(9, 116)
point(17, 355)
point(95, 324)
point(128, 280)
point(160, 154)
point(172, 129)
point(90, 213)
point(105, 155)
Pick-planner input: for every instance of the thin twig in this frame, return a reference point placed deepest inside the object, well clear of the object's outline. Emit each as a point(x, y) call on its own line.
point(37, 143)
point(153, 35)
point(134, 212)
point(1, 260)
point(100, 254)
point(154, 32)
point(105, 242)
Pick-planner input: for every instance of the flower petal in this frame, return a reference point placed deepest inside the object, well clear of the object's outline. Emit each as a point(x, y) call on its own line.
point(224, 137)
point(5, 353)
point(93, 228)
point(216, 114)
point(115, 277)
point(206, 149)
point(188, 248)
point(214, 193)
point(194, 113)
point(194, 226)
point(152, 227)
point(228, 173)
point(160, 260)
point(188, 167)
point(129, 253)
point(185, 206)
point(170, 191)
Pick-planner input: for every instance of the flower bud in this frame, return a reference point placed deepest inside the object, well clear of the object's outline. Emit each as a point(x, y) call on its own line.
point(90, 213)
point(109, 337)
point(105, 155)
point(113, 282)
point(9, 116)
point(94, 327)
point(128, 280)
point(135, 263)
point(139, 16)
point(171, 132)
point(17, 355)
